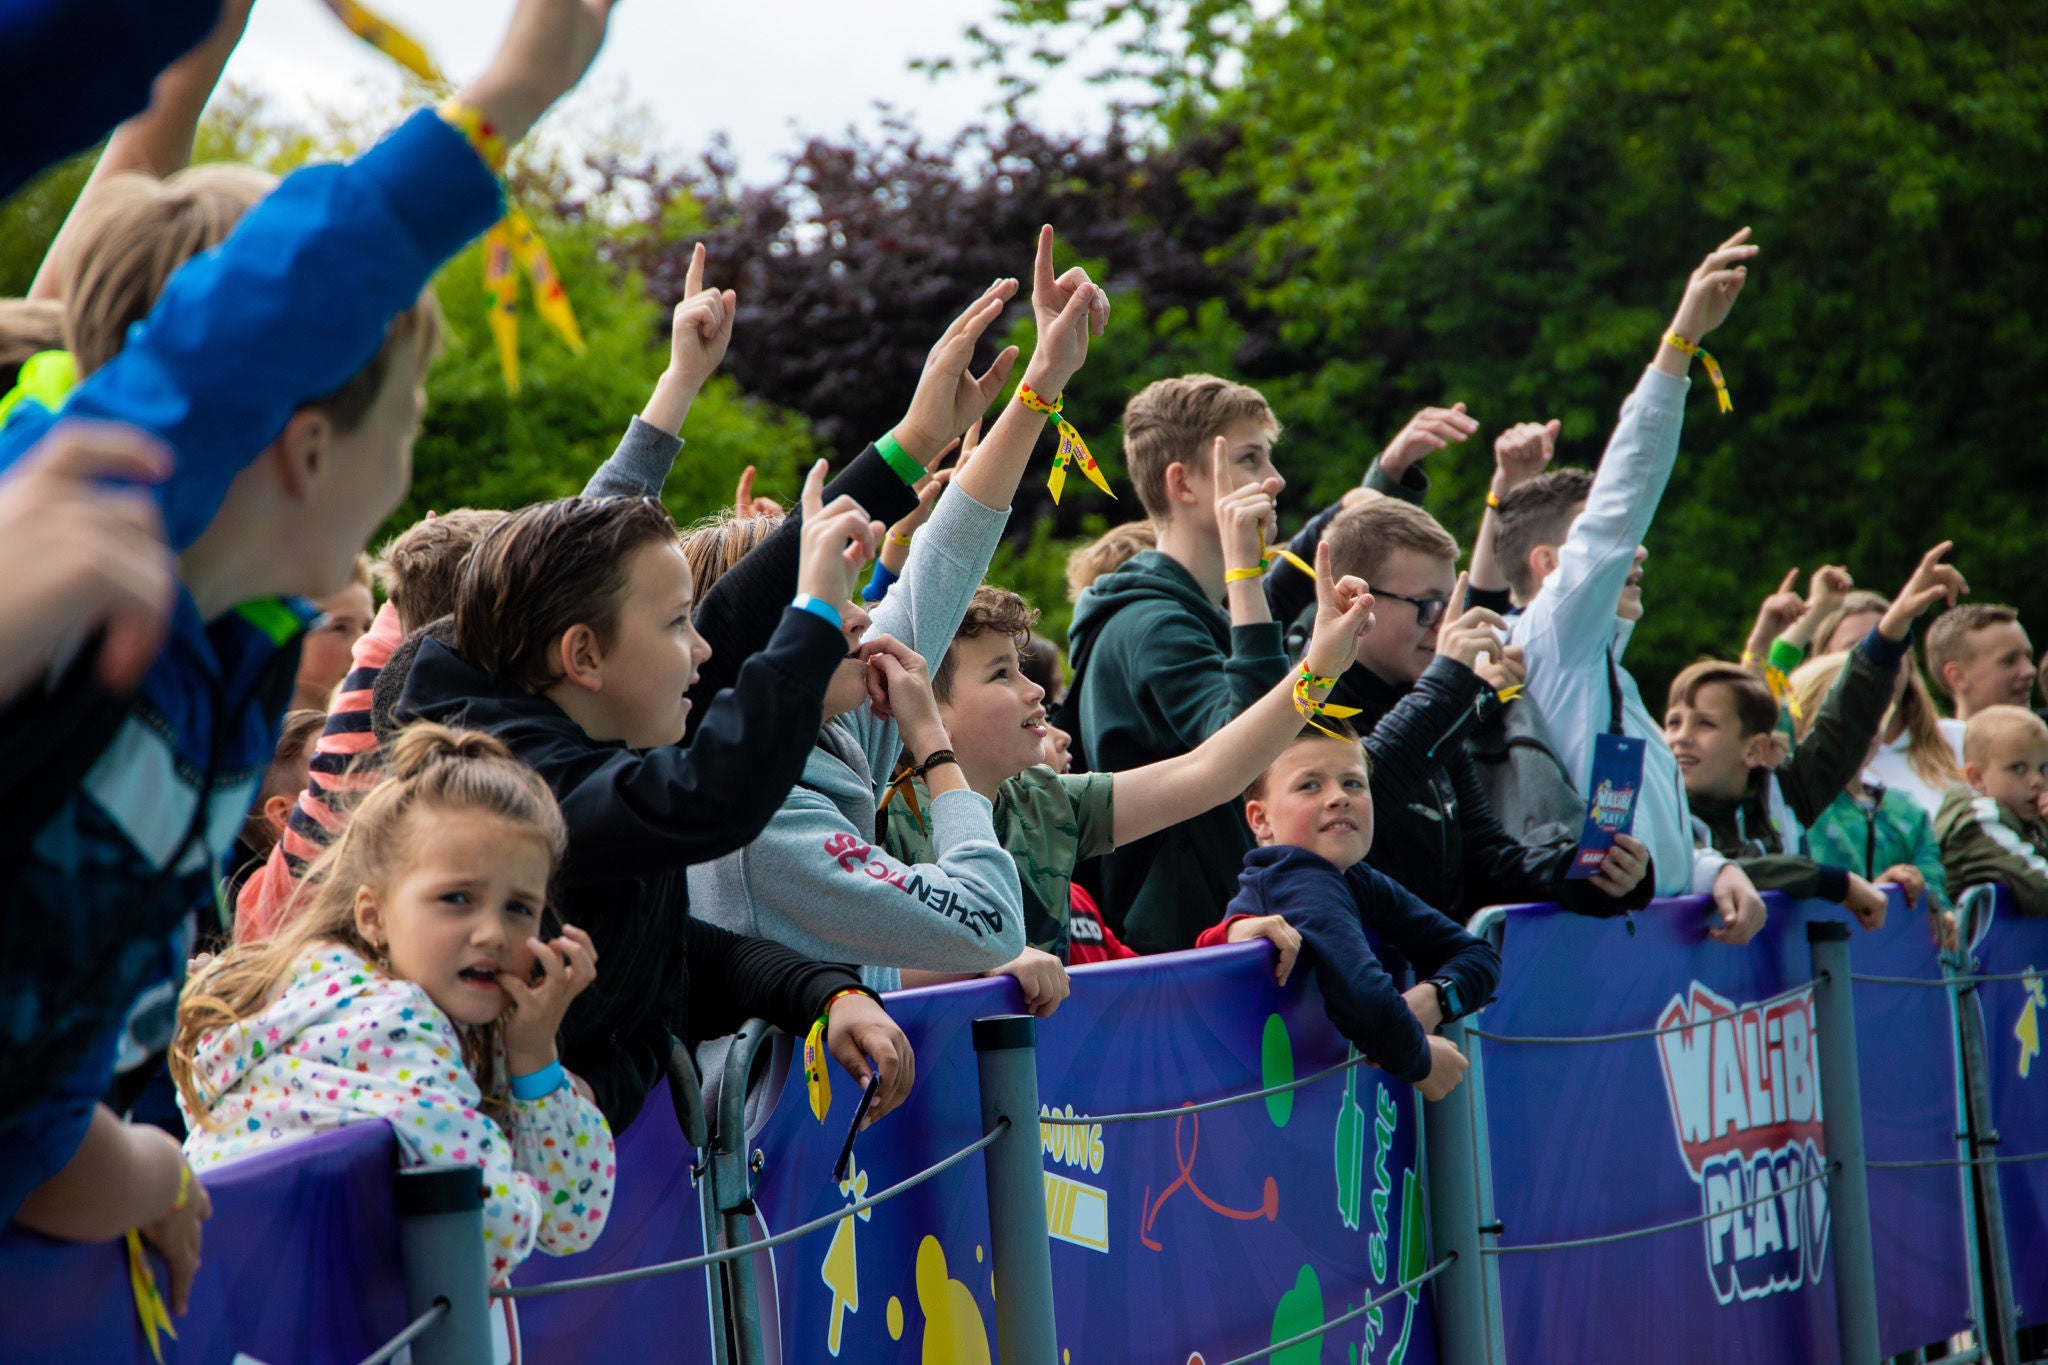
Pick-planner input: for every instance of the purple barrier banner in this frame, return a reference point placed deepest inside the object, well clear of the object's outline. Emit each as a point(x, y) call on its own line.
point(2015, 1017)
point(300, 1264)
point(1720, 1116)
point(1184, 1240)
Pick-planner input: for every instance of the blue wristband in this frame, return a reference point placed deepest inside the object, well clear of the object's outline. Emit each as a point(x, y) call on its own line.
point(538, 1085)
point(820, 608)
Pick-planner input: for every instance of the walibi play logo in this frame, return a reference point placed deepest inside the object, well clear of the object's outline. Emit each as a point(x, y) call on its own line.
point(1745, 1103)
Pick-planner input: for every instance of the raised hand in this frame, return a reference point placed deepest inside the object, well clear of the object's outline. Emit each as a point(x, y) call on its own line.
point(1522, 452)
point(1243, 514)
point(1510, 668)
point(745, 504)
point(1932, 581)
point(837, 540)
point(1343, 616)
point(1782, 608)
point(950, 396)
point(1430, 429)
point(1082, 311)
point(1051, 294)
point(531, 1021)
point(1473, 632)
point(701, 328)
point(1712, 289)
point(1828, 586)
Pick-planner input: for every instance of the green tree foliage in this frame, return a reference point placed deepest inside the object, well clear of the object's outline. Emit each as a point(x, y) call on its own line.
point(1497, 202)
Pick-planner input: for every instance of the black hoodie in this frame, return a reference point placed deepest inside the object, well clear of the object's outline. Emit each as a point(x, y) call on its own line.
point(637, 819)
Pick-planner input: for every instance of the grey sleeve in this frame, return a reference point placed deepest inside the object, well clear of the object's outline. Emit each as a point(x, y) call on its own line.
point(640, 465)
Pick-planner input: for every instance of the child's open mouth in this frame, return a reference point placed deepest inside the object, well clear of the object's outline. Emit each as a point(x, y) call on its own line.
point(480, 976)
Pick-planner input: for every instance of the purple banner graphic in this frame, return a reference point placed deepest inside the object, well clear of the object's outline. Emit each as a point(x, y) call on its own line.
point(1719, 1116)
point(2015, 1017)
point(301, 1264)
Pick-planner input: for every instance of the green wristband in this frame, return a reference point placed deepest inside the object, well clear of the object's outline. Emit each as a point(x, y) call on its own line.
point(907, 469)
point(1785, 656)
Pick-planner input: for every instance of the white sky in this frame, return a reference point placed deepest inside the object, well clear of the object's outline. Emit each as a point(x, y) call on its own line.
point(765, 71)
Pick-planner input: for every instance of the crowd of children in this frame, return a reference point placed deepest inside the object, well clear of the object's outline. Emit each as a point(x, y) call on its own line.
point(586, 791)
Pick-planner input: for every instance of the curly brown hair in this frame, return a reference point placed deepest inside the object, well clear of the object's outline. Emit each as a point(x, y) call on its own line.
point(991, 611)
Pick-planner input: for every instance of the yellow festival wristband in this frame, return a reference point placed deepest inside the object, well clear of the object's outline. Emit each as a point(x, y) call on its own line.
point(1692, 348)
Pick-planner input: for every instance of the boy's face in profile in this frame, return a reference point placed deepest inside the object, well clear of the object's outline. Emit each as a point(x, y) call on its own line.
point(368, 470)
point(1317, 796)
point(994, 713)
point(2014, 770)
point(653, 656)
point(1714, 756)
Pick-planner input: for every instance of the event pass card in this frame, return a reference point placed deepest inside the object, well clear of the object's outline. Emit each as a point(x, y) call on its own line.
point(1617, 780)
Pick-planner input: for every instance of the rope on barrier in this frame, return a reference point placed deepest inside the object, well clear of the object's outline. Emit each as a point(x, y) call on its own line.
point(1801, 989)
point(1822, 1174)
point(1343, 1318)
point(1077, 1120)
point(1945, 981)
point(648, 1272)
point(1957, 1161)
point(411, 1334)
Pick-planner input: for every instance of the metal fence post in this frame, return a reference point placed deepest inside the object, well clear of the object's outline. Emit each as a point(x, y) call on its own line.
point(441, 1239)
point(732, 1190)
point(1841, 1094)
point(1464, 1319)
point(1006, 1055)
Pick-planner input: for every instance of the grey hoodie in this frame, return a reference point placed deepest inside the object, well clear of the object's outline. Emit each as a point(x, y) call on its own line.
point(817, 879)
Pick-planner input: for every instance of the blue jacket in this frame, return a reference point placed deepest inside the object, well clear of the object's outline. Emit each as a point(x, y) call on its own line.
point(148, 794)
point(1340, 915)
point(72, 69)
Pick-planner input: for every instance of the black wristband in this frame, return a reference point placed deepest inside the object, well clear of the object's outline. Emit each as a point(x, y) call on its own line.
point(935, 759)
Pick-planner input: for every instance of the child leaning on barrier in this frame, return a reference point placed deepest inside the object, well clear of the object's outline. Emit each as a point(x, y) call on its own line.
point(1995, 829)
point(1311, 811)
point(417, 984)
point(1048, 821)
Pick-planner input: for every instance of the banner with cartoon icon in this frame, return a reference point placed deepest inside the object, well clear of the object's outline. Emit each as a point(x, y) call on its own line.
point(2015, 1017)
point(1186, 1239)
point(1720, 1115)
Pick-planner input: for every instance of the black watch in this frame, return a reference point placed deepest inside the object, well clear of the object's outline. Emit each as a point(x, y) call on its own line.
point(1450, 1002)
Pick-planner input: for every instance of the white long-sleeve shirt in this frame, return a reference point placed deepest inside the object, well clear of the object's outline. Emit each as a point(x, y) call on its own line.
point(1569, 632)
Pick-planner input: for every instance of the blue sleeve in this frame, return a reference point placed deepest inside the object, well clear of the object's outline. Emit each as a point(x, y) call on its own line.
point(1362, 999)
point(72, 69)
point(1432, 941)
point(288, 309)
point(879, 584)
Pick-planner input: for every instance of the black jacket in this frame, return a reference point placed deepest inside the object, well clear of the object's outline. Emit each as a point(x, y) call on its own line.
point(637, 819)
point(1434, 830)
point(1332, 910)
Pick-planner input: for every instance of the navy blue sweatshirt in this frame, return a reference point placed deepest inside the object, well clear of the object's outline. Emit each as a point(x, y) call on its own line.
point(1331, 910)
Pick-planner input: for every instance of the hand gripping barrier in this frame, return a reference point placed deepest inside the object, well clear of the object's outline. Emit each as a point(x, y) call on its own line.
point(1643, 1164)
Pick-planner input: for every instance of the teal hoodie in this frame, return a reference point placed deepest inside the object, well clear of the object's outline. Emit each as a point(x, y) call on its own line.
point(1158, 668)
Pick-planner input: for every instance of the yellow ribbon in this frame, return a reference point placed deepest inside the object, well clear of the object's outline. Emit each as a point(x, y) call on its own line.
point(1691, 348)
point(149, 1303)
point(1073, 450)
point(816, 1082)
point(512, 241)
point(1311, 709)
point(905, 785)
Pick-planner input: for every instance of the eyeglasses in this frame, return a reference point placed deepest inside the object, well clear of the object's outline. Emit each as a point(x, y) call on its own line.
point(1428, 610)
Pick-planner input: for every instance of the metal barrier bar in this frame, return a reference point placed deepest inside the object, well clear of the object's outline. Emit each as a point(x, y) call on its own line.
point(1945, 982)
point(1312, 1333)
point(1841, 1090)
point(1632, 1034)
point(411, 1333)
point(1006, 1056)
point(1601, 1239)
point(441, 1241)
point(732, 1192)
point(1998, 1322)
point(1466, 1310)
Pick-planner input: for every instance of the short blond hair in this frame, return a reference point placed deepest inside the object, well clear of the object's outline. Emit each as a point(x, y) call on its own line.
point(1362, 537)
point(1995, 723)
point(1175, 420)
point(1106, 553)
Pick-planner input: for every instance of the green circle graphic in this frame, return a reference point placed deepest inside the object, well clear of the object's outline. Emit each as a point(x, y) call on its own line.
point(1276, 1067)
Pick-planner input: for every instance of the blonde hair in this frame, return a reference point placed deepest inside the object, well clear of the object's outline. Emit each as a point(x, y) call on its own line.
point(1106, 553)
point(430, 767)
point(1927, 750)
point(1175, 420)
point(1995, 723)
point(26, 327)
point(713, 545)
point(1363, 537)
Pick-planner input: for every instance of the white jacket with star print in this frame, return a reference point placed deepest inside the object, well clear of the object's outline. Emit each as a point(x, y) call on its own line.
point(343, 1043)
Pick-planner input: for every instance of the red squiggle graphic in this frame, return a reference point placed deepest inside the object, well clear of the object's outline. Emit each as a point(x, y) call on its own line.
point(1269, 1209)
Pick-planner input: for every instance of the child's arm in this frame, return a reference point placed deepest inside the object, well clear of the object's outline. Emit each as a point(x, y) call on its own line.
point(1978, 846)
point(299, 297)
point(156, 142)
point(1781, 612)
point(1434, 711)
point(1519, 454)
point(699, 333)
point(1434, 944)
point(1574, 614)
point(1150, 798)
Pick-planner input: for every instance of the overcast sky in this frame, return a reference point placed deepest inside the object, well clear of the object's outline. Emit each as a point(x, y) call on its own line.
point(761, 70)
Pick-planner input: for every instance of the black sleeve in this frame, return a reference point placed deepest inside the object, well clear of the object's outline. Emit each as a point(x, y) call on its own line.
point(1289, 591)
point(1434, 943)
point(737, 977)
point(1838, 739)
point(1798, 877)
point(1427, 720)
point(1500, 870)
point(634, 813)
point(739, 613)
point(1500, 601)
